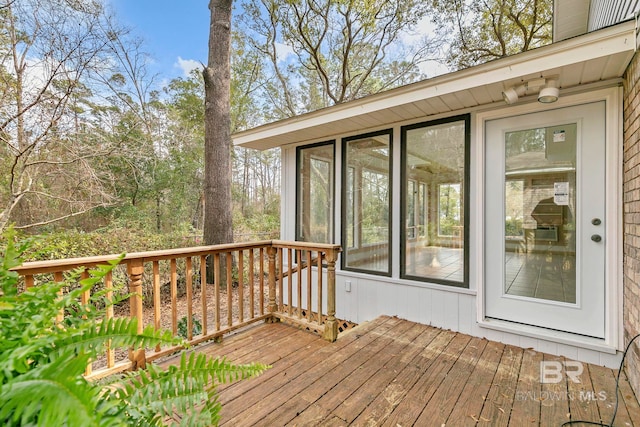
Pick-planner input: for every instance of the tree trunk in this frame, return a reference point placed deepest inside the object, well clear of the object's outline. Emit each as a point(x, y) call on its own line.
point(218, 227)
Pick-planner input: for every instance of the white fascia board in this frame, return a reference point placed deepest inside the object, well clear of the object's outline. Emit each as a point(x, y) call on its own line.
point(609, 41)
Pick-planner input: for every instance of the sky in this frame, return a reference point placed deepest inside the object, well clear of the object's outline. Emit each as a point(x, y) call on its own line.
point(175, 33)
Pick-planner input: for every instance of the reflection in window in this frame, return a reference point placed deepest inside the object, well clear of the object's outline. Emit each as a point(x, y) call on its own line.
point(435, 201)
point(315, 193)
point(412, 195)
point(514, 214)
point(366, 202)
point(422, 210)
point(448, 209)
point(351, 207)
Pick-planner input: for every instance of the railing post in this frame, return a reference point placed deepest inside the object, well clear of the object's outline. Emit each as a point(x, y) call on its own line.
point(272, 307)
point(135, 268)
point(331, 324)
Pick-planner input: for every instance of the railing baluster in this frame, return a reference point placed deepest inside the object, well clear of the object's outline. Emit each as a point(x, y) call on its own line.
point(203, 292)
point(156, 297)
point(108, 284)
point(189, 285)
point(216, 287)
point(299, 274)
point(229, 290)
point(84, 297)
point(84, 300)
point(241, 286)
point(261, 281)
point(174, 295)
point(290, 281)
point(58, 278)
point(319, 260)
point(309, 284)
point(280, 276)
point(252, 284)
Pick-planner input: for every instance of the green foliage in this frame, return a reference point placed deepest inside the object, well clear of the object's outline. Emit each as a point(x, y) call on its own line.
point(183, 328)
point(111, 240)
point(42, 361)
point(340, 50)
point(478, 32)
point(513, 227)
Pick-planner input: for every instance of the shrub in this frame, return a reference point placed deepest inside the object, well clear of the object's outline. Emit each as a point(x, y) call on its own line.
point(42, 361)
point(183, 328)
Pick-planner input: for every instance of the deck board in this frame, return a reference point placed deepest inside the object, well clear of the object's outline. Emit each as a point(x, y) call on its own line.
point(398, 373)
point(467, 409)
point(554, 403)
point(496, 409)
point(526, 405)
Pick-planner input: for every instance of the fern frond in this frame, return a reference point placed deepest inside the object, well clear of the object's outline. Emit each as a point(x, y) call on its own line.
point(120, 332)
point(181, 388)
point(9, 259)
point(218, 370)
point(27, 400)
point(156, 394)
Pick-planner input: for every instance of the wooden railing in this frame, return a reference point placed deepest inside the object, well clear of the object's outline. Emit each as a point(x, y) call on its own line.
point(269, 281)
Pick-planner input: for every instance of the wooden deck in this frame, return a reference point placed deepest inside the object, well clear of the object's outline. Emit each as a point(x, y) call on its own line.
point(392, 372)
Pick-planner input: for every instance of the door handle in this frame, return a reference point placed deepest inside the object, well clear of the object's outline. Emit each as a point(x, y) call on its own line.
point(596, 238)
point(596, 221)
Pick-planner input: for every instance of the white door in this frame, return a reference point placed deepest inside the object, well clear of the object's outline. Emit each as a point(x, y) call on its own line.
point(544, 219)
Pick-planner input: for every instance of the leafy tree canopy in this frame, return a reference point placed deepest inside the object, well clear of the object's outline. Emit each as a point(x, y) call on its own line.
point(480, 31)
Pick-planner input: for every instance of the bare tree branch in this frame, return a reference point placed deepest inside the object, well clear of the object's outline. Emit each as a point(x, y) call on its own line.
point(61, 218)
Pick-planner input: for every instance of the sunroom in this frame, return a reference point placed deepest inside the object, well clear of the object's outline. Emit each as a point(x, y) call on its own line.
point(486, 201)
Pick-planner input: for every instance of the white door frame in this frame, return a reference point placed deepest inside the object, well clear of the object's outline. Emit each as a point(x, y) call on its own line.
point(613, 227)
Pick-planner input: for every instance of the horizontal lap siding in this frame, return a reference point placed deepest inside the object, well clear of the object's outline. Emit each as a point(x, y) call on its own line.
point(605, 13)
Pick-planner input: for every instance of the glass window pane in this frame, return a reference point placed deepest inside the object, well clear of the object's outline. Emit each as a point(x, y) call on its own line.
point(367, 197)
point(434, 160)
point(539, 220)
point(315, 193)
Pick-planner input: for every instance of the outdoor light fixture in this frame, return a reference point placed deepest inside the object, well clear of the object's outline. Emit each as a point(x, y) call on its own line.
point(548, 93)
point(512, 94)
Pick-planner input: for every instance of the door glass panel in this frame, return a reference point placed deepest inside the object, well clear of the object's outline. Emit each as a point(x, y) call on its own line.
point(539, 219)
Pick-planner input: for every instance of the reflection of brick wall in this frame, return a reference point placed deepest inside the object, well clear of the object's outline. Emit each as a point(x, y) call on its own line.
point(631, 189)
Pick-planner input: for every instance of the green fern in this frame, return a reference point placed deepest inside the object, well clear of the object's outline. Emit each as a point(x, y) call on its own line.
point(42, 363)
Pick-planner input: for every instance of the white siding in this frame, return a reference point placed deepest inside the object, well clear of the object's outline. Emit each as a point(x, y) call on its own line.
point(605, 13)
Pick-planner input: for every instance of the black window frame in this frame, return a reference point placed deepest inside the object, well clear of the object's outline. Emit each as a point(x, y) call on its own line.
point(466, 118)
point(299, 149)
point(343, 216)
